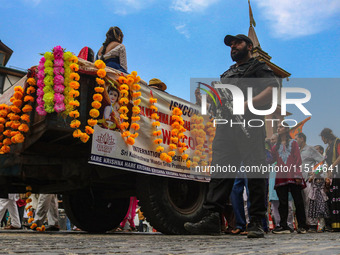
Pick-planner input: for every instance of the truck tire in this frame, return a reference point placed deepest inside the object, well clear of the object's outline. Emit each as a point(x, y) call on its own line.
point(87, 210)
point(168, 203)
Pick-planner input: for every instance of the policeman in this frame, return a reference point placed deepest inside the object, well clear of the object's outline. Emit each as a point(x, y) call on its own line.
point(232, 146)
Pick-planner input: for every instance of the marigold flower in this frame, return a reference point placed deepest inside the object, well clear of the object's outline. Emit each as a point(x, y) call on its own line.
point(29, 188)
point(7, 141)
point(18, 89)
point(25, 117)
point(188, 163)
point(2, 128)
point(123, 116)
point(123, 100)
point(92, 122)
point(100, 64)
point(3, 113)
point(29, 193)
point(74, 93)
point(74, 114)
point(180, 135)
point(203, 156)
point(94, 113)
point(84, 137)
point(15, 124)
point(172, 146)
point(73, 59)
point(75, 123)
point(43, 228)
point(101, 73)
point(96, 104)
point(168, 159)
point(122, 79)
point(13, 116)
point(153, 100)
point(13, 133)
point(130, 141)
point(15, 109)
point(97, 97)
point(30, 214)
point(7, 133)
point(2, 120)
point(5, 149)
point(123, 87)
point(177, 111)
point(135, 126)
point(30, 90)
point(124, 93)
point(38, 229)
point(163, 156)
point(23, 128)
point(130, 80)
point(74, 84)
point(152, 107)
point(154, 116)
point(136, 109)
point(29, 98)
point(174, 132)
point(17, 103)
point(136, 94)
point(28, 200)
point(174, 140)
point(125, 134)
point(123, 110)
point(99, 89)
point(135, 135)
point(159, 149)
point(74, 76)
point(136, 86)
point(74, 103)
point(137, 102)
point(185, 156)
point(100, 81)
point(31, 81)
point(135, 118)
point(156, 123)
point(74, 67)
point(30, 220)
point(77, 133)
point(158, 141)
point(175, 125)
point(171, 153)
point(34, 225)
point(124, 125)
point(157, 133)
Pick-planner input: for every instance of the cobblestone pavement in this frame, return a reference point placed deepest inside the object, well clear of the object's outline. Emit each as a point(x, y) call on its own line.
point(63, 242)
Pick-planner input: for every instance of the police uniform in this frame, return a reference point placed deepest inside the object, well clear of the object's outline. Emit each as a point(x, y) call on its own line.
point(232, 147)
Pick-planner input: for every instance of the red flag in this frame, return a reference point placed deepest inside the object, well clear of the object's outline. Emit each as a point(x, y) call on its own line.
point(298, 128)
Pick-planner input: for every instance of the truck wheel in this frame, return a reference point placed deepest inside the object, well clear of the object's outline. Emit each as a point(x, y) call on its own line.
point(168, 203)
point(88, 211)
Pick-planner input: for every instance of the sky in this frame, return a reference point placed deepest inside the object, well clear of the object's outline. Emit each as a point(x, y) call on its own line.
point(175, 40)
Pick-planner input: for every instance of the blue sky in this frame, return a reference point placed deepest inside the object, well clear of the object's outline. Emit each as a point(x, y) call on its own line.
point(175, 40)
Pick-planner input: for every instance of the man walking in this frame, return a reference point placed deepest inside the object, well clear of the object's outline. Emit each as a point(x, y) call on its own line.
point(232, 146)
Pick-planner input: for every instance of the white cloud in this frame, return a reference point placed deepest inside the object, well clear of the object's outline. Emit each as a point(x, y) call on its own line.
point(192, 5)
point(124, 7)
point(182, 29)
point(296, 18)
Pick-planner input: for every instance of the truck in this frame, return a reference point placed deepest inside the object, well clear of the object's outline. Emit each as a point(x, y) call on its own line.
point(95, 195)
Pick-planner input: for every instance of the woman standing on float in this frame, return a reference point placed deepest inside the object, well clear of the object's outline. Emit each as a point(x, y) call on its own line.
point(113, 52)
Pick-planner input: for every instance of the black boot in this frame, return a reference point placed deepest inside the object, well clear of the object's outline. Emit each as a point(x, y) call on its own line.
point(255, 229)
point(210, 224)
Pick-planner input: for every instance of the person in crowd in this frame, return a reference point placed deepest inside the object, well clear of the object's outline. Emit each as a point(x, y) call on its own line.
point(332, 158)
point(289, 178)
point(10, 205)
point(86, 53)
point(231, 144)
point(47, 206)
point(5, 219)
point(21, 203)
point(157, 84)
point(113, 51)
point(310, 157)
point(320, 149)
point(130, 215)
point(141, 218)
point(274, 199)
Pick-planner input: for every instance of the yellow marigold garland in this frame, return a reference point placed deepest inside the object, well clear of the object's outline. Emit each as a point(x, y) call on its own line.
point(129, 83)
point(199, 133)
point(29, 210)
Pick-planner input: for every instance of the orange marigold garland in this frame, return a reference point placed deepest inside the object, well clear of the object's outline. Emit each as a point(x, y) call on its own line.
point(29, 210)
point(156, 133)
point(129, 83)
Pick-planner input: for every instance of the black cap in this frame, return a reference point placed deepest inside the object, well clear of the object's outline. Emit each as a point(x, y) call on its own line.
point(229, 38)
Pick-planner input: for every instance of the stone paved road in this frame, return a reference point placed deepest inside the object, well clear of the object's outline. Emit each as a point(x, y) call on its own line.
point(71, 243)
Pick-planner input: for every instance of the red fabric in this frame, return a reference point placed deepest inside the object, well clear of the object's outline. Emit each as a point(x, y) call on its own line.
point(293, 165)
point(21, 203)
point(83, 53)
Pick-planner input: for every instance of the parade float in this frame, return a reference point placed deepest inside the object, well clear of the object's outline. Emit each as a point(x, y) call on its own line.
point(98, 136)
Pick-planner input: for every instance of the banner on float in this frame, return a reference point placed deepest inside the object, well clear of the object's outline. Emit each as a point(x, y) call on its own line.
point(110, 150)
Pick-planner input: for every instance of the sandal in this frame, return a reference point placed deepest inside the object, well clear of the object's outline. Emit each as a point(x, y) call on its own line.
point(236, 231)
point(119, 229)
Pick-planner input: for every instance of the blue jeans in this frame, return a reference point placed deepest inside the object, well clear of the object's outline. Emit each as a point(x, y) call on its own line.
point(237, 200)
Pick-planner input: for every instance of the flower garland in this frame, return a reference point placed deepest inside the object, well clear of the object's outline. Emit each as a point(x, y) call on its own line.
point(58, 71)
point(129, 83)
point(67, 80)
point(14, 119)
point(48, 96)
point(200, 136)
point(211, 131)
point(29, 210)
